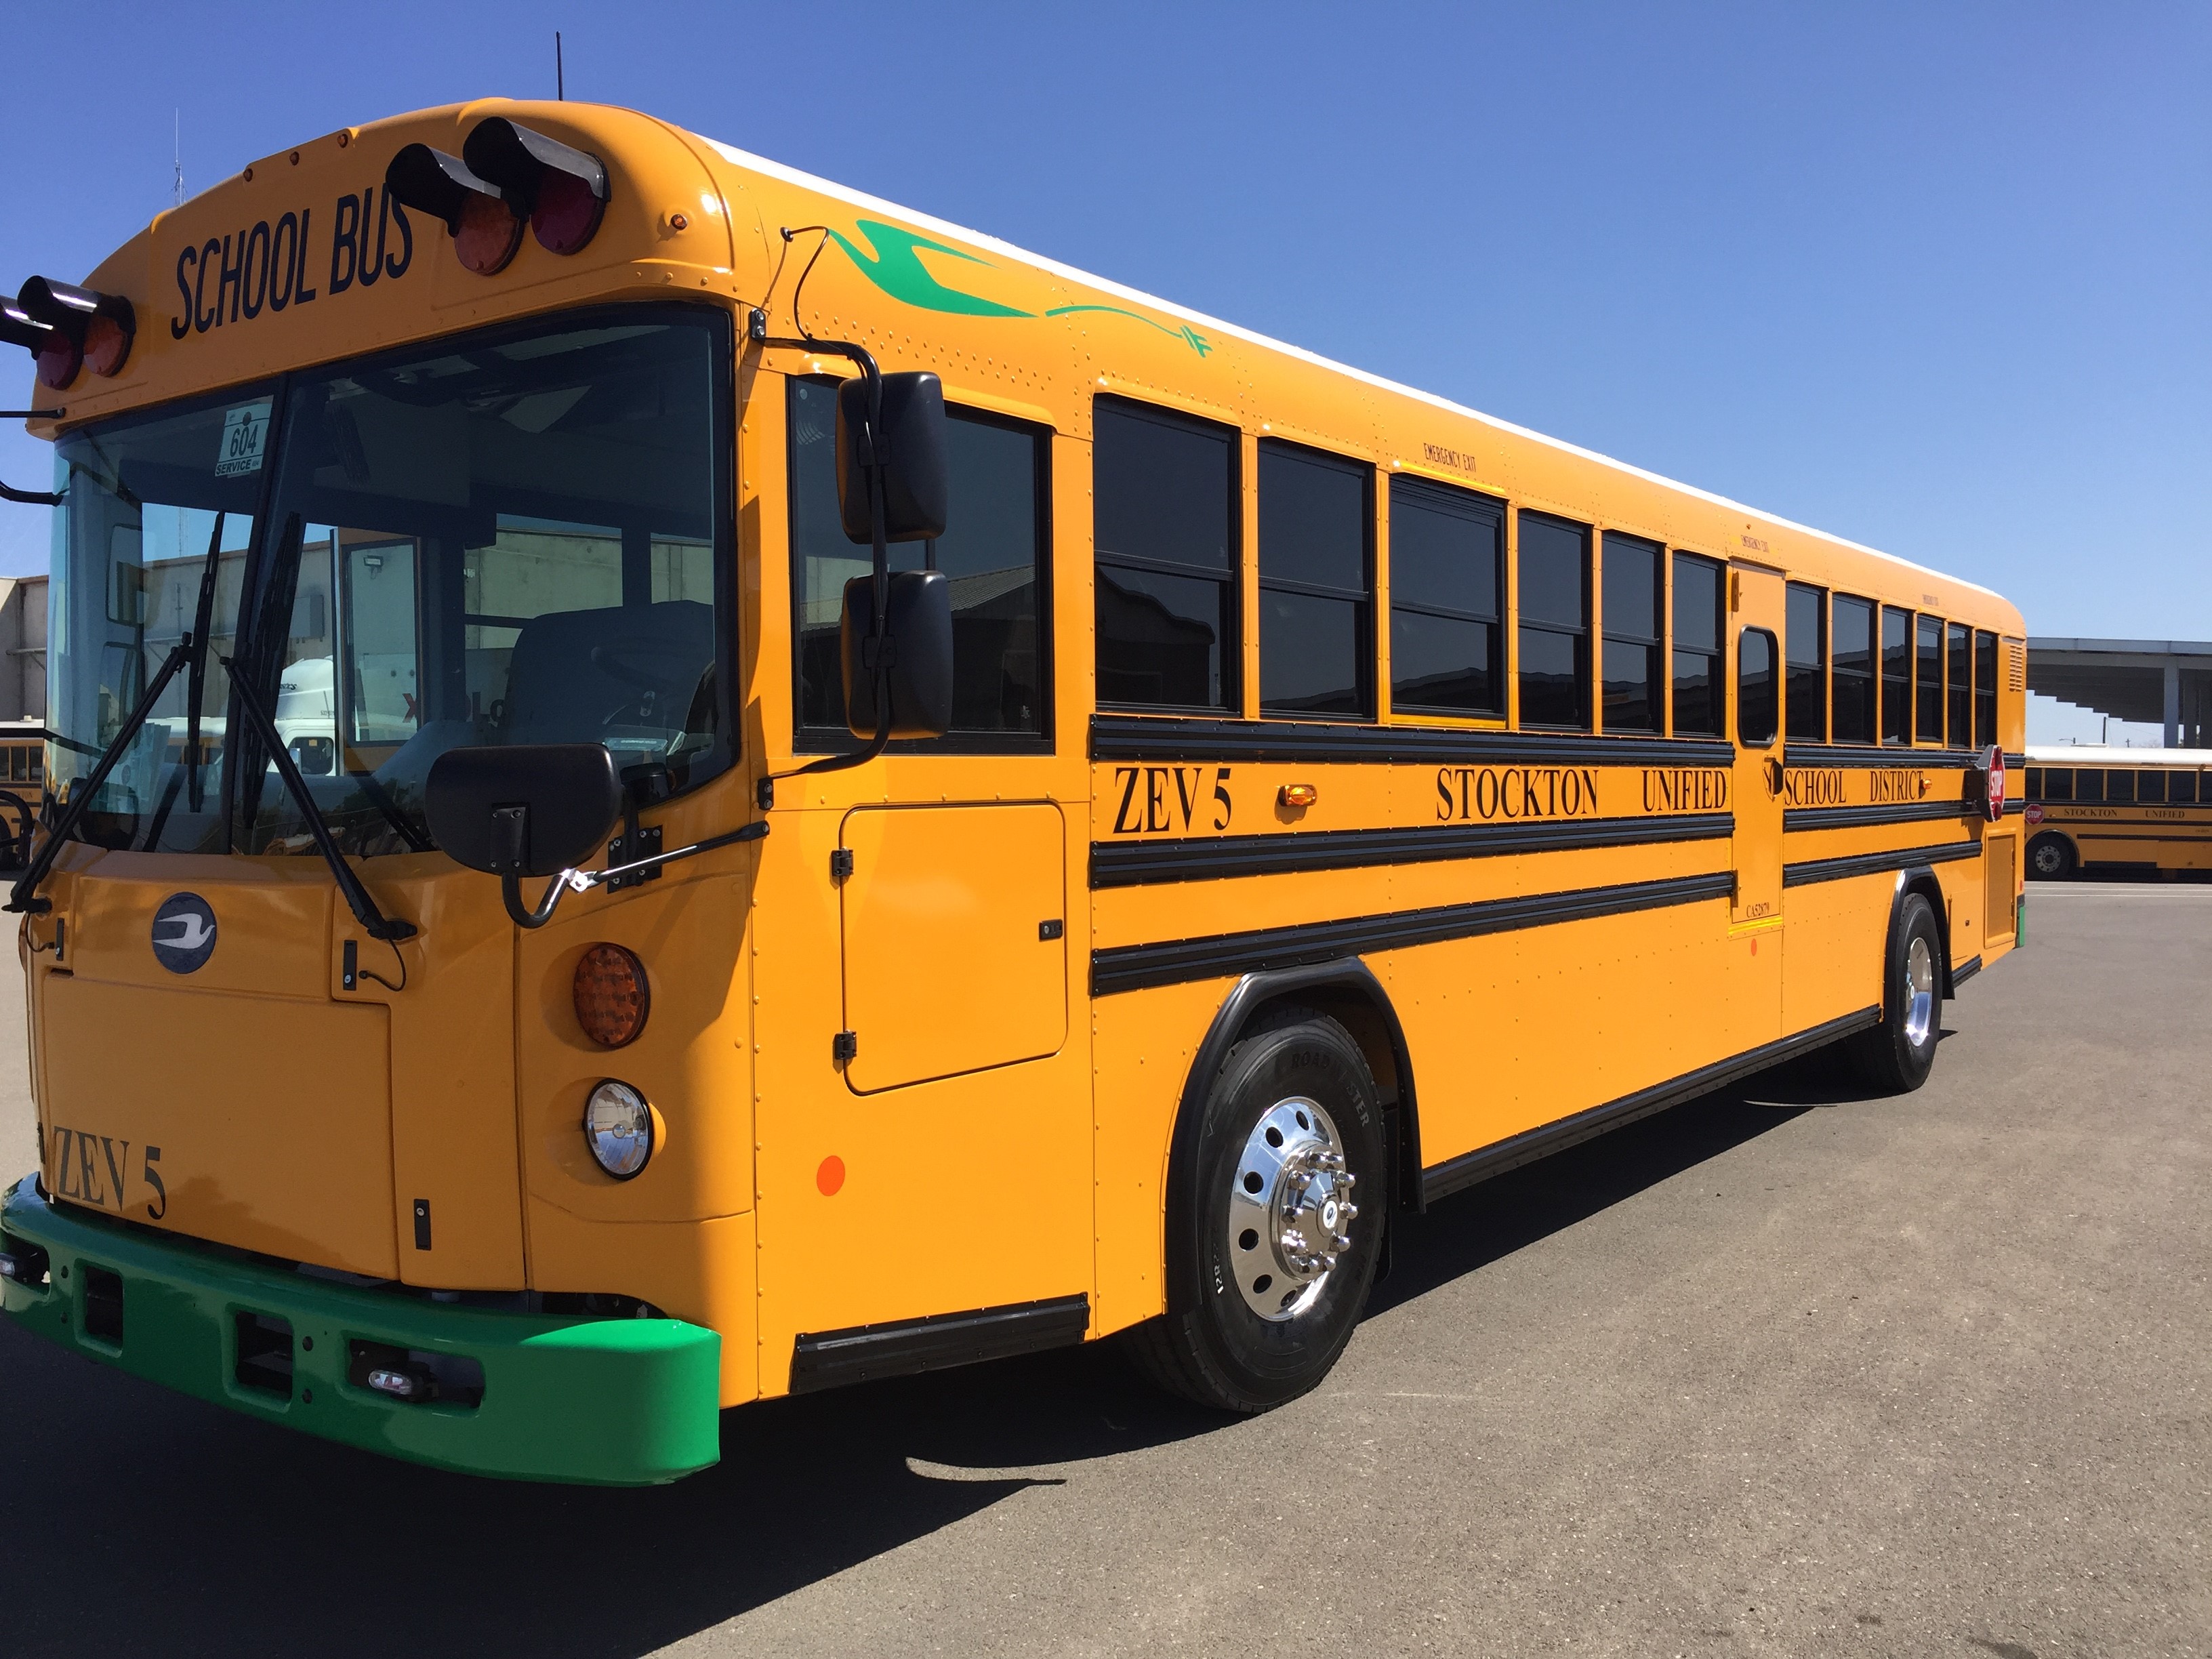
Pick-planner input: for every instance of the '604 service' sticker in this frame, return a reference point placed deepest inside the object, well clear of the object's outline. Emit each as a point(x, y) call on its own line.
point(244, 431)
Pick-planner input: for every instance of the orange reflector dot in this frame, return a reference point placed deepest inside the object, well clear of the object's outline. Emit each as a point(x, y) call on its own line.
point(612, 998)
point(831, 1176)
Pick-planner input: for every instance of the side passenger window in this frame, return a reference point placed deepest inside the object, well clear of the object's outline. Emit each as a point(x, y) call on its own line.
point(1853, 675)
point(1165, 531)
point(1446, 593)
point(1697, 689)
point(1316, 581)
point(1555, 617)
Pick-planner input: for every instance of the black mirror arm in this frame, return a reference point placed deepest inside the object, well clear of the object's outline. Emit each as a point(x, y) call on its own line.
point(582, 881)
point(23, 897)
point(372, 920)
point(30, 497)
point(756, 333)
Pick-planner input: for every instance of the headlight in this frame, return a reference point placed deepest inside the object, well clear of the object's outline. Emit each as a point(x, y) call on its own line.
point(619, 1128)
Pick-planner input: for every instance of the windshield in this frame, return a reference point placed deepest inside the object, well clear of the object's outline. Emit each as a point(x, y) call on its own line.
point(509, 538)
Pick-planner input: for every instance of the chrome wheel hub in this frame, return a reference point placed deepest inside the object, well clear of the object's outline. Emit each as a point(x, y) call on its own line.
point(1919, 991)
point(1289, 1209)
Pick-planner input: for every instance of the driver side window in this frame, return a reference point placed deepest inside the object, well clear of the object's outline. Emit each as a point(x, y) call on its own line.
point(994, 552)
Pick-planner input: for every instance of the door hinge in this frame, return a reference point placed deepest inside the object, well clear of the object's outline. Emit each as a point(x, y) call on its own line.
point(845, 1047)
point(841, 863)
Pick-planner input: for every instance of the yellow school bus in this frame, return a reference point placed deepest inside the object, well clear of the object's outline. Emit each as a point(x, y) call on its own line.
point(2147, 810)
point(674, 784)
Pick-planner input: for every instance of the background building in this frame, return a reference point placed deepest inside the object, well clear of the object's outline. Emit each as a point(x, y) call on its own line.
point(2162, 683)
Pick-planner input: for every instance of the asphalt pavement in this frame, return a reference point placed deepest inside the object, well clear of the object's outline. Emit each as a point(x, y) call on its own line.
point(1782, 1372)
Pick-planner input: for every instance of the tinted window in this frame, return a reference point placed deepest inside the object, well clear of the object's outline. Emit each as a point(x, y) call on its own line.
point(1852, 676)
point(1697, 658)
point(1315, 623)
point(1960, 675)
point(1447, 575)
point(1757, 689)
point(1164, 530)
point(1927, 679)
point(2058, 783)
point(2181, 788)
point(1807, 645)
point(1632, 630)
point(1896, 675)
point(2119, 785)
point(2034, 783)
point(2089, 784)
point(1554, 622)
point(2150, 788)
point(991, 552)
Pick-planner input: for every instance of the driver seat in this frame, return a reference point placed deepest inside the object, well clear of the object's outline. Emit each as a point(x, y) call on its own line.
point(557, 692)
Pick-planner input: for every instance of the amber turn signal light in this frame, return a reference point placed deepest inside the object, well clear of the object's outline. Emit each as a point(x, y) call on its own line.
point(486, 230)
point(1299, 794)
point(612, 996)
point(561, 190)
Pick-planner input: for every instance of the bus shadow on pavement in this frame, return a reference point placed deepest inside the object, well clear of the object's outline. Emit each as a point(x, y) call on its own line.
point(1471, 1229)
point(167, 1525)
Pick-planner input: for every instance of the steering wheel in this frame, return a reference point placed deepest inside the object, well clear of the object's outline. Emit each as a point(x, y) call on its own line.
point(617, 662)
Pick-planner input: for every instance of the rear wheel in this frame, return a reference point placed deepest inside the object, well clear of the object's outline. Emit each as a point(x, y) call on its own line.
point(1898, 1054)
point(2051, 858)
point(1270, 1261)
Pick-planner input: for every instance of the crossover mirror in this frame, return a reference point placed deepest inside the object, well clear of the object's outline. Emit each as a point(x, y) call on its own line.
point(909, 450)
point(528, 810)
point(918, 642)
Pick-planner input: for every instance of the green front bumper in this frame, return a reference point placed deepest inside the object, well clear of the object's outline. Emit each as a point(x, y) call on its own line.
point(604, 1401)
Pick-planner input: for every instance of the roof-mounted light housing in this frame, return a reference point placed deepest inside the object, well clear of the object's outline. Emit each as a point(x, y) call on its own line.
point(485, 229)
point(16, 328)
point(83, 328)
point(561, 190)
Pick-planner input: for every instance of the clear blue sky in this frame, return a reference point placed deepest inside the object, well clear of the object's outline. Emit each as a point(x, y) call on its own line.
point(1935, 278)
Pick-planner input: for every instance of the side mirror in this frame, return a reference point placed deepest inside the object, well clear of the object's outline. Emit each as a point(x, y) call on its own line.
point(918, 634)
point(529, 810)
point(316, 757)
point(910, 450)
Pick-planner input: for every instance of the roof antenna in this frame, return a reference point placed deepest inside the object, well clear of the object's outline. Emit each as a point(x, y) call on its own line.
point(560, 79)
point(178, 140)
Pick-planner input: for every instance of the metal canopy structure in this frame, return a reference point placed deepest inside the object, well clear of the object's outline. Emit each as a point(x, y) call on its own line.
point(2166, 683)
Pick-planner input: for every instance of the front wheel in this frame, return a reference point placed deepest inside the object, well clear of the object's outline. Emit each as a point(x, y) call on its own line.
point(2051, 858)
point(1270, 1261)
point(1898, 1054)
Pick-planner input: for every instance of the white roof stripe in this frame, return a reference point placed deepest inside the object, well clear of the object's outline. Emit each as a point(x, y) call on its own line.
point(790, 175)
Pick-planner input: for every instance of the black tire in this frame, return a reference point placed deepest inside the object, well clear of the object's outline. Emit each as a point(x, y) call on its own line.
point(1897, 1054)
point(2052, 858)
point(1210, 1345)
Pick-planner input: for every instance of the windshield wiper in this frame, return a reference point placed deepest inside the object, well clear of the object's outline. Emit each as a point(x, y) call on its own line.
point(196, 683)
point(373, 922)
point(23, 895)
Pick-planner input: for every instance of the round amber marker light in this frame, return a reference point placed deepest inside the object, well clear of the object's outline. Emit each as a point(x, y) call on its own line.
point(611, 997)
